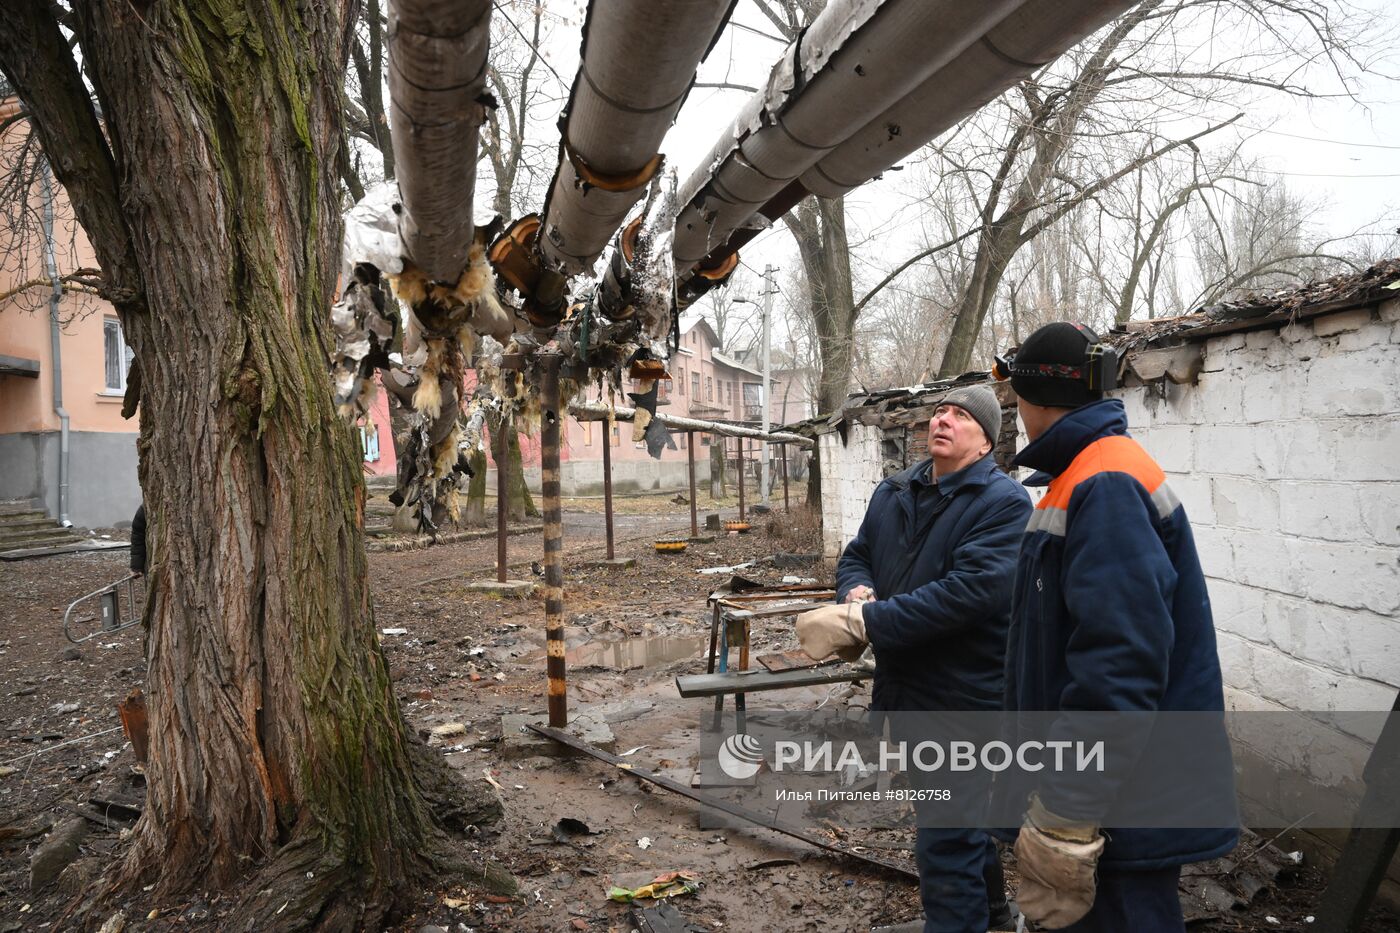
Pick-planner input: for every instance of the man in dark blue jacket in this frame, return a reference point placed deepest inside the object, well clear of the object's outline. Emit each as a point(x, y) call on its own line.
point(926, 582)
point(1110, 614)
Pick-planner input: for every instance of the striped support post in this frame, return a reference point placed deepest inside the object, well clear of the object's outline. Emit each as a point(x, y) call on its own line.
point(550, 417)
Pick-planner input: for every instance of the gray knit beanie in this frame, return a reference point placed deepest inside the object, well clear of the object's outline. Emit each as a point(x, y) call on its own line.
point(981, 403)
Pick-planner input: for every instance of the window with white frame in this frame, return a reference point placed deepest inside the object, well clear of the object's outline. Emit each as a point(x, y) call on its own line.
point(116, 353)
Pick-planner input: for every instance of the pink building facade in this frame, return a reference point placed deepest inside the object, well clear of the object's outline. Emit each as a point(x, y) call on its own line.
point(705, 383)
point(65, 358)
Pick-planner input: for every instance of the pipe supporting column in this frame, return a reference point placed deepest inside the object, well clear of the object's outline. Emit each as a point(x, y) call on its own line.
point(550, 416)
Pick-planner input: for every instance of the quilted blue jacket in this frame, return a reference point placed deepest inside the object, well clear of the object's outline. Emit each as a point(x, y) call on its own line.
point(941, 567)
point(1111, 614)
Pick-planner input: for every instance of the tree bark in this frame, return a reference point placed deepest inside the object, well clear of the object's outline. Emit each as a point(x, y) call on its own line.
point(522, 504)
point(474, 516)
point(276, 744)
point(819, 226)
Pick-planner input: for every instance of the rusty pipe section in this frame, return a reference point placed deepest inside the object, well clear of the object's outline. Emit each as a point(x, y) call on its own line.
point(437, 88)
point(638, 61)
point(856, 58)
point(551, 416)
point(1031, 37)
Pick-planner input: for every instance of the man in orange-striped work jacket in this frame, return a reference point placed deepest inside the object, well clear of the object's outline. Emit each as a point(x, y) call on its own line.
point(1109, 613)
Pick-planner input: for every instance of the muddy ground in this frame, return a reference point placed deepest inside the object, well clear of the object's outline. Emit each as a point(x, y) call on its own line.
point(469, 659)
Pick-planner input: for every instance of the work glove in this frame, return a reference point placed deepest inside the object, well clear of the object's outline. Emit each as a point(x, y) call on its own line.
point(1057, 858)
point(838, 630)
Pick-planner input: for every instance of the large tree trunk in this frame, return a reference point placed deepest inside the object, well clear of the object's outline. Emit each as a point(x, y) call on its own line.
point(522, 504)
point(819, 226)
point(994, 251)
point(276, 744)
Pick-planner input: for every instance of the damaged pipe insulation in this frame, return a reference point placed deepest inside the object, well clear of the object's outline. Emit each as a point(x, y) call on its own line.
point(856, 58)
point(1031, 37)
point(637, 63)
point(437, 85)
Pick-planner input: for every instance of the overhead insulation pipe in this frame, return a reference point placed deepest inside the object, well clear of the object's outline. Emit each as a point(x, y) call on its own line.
point(1028, 39)
point(638, 61)
point(437, 83)
point(856, 58)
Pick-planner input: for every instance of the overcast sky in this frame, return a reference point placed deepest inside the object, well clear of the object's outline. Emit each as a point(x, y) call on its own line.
point(1343, 156)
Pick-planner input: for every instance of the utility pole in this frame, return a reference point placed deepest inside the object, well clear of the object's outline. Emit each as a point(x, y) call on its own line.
point(767, 371)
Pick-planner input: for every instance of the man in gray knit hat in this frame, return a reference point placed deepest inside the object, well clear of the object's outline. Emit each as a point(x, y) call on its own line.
point(926, 583)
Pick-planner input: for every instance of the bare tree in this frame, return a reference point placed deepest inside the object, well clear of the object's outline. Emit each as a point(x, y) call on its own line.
point(277, 750)
point(35, 221)
point(1070, 139)
point(520, 143)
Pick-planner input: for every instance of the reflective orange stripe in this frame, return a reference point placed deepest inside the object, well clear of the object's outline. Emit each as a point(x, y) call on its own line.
point(1105, 455)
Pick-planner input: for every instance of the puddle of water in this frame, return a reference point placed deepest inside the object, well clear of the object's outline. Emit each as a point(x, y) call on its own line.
point(630, 653)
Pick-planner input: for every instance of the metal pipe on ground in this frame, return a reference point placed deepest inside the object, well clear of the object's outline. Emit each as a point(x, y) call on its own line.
point(1029, 38)
point(856, 57)
point(636, 66)
point(437, 84)
point(551, 413)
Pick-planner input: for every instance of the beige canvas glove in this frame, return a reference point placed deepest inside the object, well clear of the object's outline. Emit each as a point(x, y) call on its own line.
point(838, 630)
point(1056, 858)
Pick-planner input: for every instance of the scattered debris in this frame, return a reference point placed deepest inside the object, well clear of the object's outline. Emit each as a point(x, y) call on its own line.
point(446, 731)
point(394, 631)
point(669, 884)
point(569, 829)
point(730, 569)
point(56, 852)
point(732, 809)
point(115, 923)
point(662, 918)
point(644, 842)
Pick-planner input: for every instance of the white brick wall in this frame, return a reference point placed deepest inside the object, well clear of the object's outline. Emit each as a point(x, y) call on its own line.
point(850, 473)
point(1286, 453)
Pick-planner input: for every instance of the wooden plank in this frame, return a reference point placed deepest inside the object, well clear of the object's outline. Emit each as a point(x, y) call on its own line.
point(774, 612)
point(733, 809)
point(710, 685)
point(787, 661)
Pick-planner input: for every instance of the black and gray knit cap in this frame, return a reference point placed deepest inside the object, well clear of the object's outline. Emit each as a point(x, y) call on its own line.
point(981, 403)
point(1048, 367)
